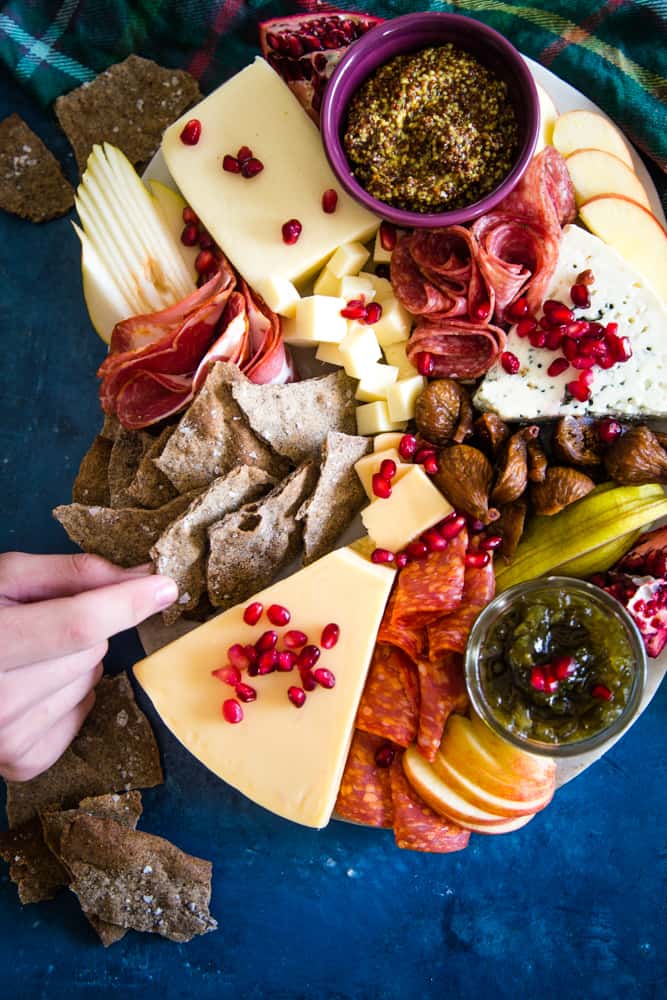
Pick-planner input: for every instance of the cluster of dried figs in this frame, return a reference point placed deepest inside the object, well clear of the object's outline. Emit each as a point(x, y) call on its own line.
point(495, 473)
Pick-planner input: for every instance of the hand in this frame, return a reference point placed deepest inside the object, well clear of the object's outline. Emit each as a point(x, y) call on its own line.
point(56, 614)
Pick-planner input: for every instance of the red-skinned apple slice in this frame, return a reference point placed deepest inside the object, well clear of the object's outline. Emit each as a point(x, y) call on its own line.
point(595, 172)
point(503, 825)
point(440, 797)
point(473, 786)
point(589, 130)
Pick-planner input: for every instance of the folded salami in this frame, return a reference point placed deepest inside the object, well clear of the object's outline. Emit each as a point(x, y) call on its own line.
point(389, 706)
point(416, 826)
point(365, 789)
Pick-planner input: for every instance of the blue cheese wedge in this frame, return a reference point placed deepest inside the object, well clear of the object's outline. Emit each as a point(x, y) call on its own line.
point(636, 388)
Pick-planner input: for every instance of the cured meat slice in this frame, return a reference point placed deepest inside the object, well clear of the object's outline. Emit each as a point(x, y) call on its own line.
point(416, 826)
point(459, 348)
point(544, 195)
point(365, 789)
point(416, 293)
point(450, 633)
point(411, 640)
point(442, 691)
point(389, 706)
point(231, 345)
point(448, 257)
point(430, 587)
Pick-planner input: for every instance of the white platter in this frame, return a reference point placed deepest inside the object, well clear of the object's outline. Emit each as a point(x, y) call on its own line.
point(154, 634)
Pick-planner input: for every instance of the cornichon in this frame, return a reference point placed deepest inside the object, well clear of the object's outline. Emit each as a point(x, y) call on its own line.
point(596, 520)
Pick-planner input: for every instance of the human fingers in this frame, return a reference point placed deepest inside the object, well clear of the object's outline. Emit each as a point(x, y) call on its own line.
point(24, 687)
point(18, 736)
point(51, 745)
point(49, 629)
point(26, 577)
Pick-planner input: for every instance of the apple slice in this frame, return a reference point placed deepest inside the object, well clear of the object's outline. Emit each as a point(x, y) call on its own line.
point(503, 825)
point(595, 172)
point(588, 130)
point(473, 787)
point(170, 204)
point(440, 797)
point(548, 116)
point(634, 232)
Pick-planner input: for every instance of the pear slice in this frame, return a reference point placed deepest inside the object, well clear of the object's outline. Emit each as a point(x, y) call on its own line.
point(105, 302)
point(170, 204)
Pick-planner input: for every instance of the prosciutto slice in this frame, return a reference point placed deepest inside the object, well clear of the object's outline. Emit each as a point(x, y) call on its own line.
point(459, 348)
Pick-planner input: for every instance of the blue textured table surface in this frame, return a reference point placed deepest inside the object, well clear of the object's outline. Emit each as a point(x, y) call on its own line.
point(574, 905)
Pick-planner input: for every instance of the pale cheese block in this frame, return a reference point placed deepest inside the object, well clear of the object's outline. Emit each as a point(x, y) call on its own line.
point(348, 259)
point(384, 441)
point(415, 504)
point(353, 286)
point(394, 324)
point(402, 397)
point(279, 295)
point(382, 286)
point(245, 217)
point(286, 759)
point(318, 319)
point(395, 354)
point(373, 418)
point(376, 382)
point(326, 283)
point(360, 349)
point(367, 466)
point(329, 353)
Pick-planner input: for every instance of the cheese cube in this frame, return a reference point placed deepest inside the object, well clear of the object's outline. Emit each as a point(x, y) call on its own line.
point(330, 353)
point(318, 320)
point(394, 323)
point(326, 283)
point(376, 381)
point(279, 295)
point(382, 286)
point(402, 397)
point(360, 349)
point(391, 440)
point(372, 418)
point(415, 504)
point(367, 466)
point(245, 217)
point(395, 355)
point(355, 287)
point(348, 259)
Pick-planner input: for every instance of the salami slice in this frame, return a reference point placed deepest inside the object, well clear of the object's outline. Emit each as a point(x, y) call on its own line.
point(459, 348)
point(413, 290)
point(389, 706)
point(430, 587)
point(516, 257)
point(365, 789)
point(544, 195)
point(411, 640)
point(450, 633)
point(442, 691)
point(416, 826)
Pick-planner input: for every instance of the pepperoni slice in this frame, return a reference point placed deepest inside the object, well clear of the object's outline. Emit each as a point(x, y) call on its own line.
point(365, 790)
point(459, 348)
point(430, 587)
point(416, 826)
point(450, 633)
point(442, 691)
point(416, 292)
point(389, 706)
point(411, 640)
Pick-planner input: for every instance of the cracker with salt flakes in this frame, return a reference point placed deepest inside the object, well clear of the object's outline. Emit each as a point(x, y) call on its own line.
point(32, 185)
point(91, 485)
point(127, 451)
point(150, 487)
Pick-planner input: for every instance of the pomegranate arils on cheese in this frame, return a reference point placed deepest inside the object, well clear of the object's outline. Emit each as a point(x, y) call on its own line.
point(557, 367)
point(324, 678)
point(388, 468)
point(308, 657)
point(580, 297)
point(407, 446)
point(189, 216)
point(250, 168)
point(244, 154)
point(526, 326)
point(330, 635)
point(191, 132)
point(291, 231)
point(286, 661)
point(355, 309)
point(373, 313)
point(266, 641)
point(307, 680)
point(253, 613)
point(267, 662)
point(329, 201)
point(294, 639)
point(297, 696)
point(190, 235)
point(387, 236)
point(510, 362)
point(381, 486)
point(246, 693)
point(278, 615)
point(230, 164)
point(228, 675)
point(232, 711)
point(382, 556)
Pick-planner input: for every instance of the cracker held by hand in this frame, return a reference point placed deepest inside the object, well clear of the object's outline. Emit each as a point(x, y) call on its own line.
point(137, 880)
point(32, 184)
point(129, 105)
point(91, 485)
point(150, 487)
point(126, 454)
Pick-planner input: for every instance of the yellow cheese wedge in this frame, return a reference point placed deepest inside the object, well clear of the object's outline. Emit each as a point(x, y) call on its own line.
point(390, 440)
point(414, 505)
point(367, 466)
point(256, 109)
point(287, 759)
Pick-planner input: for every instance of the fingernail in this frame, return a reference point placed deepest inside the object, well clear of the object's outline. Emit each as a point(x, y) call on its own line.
point(146, 569)
point(165, 593)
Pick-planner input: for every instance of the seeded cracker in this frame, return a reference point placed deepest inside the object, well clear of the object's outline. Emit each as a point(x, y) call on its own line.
point(150, 487)
point(127, 452)
point(91, 485)
point(137, 880)
point(249, 547)
point(338, 495)
point(129, 105)
point(31, 182)
point(123, 536)
point(180, 552)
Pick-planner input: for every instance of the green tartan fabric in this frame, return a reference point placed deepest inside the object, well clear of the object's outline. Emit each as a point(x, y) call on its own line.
point(614, 52)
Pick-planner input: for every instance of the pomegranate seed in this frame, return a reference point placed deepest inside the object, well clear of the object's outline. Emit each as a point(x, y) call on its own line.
point(387, 235)
point(482, 311)
point(416, 550)
point(609, 430)
point(622, 349)
point(278, 615)
point(537, 339)
point(381, 486)
point(525, 326)
point(580, 297)
point(245, 692)
point(308, 681)
point(451, 528)
point(586, 277)
point(546, 324)
point(425, 363)
point(602, 693)
point(286, 661)
point(253, 613)
point(251, 653)
point(537, 678)
point(407, 446)
point(329, 201)
point(423, 453)
point(510, 362)
point(579, 328)
point(191, 132)
point(373, 313)
point(324, 678)
point(611, 329)
point(190, 217)
point(431, 466)
point(244, 153)
point(330, 635)
point(266, 641)
point(205, 240)
point(267, 662)
point(590, 347)
point(384, 755)
point(308, 657)
point(355, 309)
point(553, 338)
point(238, 657)
point(382, 556)
point(569, 348)
point(606, 361)
point(559, 313)
point(434, 541)
point(550, 684)
point(294, 639)
point(402, 560)
point(291, 231)
point(586, 378)
point(563, 667)
point(190, 235)
point(519, 308)
point(232, 711)
point(579, 391)
point(204, 262)
point(491, 543)
point(476, 560)
point(388, 468)
point(557, 367)
point(296, 695)
point(252, 167)
point(582, 363)
point(230, 164)
point(228, 675)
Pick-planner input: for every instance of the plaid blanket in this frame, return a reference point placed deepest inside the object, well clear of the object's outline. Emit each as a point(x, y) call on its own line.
point(615, 51)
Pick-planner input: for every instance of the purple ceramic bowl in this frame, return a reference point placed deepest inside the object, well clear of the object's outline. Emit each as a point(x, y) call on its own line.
point(411, 33)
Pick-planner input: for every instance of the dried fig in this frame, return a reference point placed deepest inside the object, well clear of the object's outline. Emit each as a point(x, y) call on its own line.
point(510, 525)
point(576, 440)
point(491, 431)
point(464, 476)
point(560, 488)
point(637, 457)
point(537, 461)
point(444, 412)
point(512, 476)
